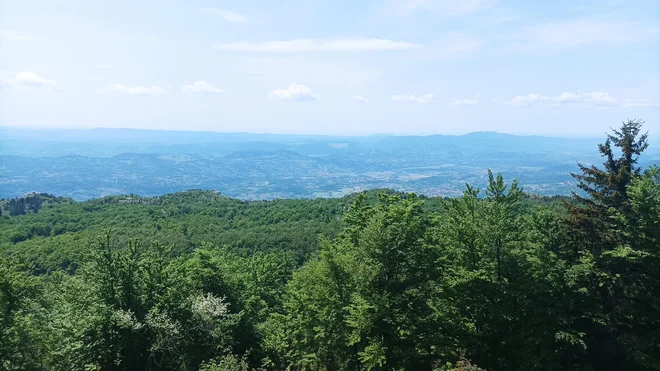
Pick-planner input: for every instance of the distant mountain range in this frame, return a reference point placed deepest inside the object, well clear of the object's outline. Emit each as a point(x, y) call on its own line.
point(84, 164)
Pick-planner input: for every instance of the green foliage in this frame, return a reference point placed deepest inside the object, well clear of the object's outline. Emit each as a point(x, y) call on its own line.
point(366, 299)
point(615, 243)
point(53, 238)
point(462, 365)
point(30, 203)
point(20, 316)
point(226, 363)
point(376, 281)
point(606, 188)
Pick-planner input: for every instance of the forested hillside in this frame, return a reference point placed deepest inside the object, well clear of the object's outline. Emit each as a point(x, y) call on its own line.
point(496, 279)
point(90, 164)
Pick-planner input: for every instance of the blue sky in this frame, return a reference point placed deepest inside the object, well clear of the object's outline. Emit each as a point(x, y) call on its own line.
point(331, 67)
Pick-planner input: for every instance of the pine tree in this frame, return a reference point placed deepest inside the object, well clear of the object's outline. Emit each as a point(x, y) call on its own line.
point(606, 188)
point(609, 262)
point(502, 213)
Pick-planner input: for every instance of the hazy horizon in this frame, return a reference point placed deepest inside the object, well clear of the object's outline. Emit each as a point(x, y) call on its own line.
point(599, 136)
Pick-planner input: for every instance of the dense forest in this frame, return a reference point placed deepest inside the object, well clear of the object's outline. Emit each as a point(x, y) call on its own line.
point(498, 279)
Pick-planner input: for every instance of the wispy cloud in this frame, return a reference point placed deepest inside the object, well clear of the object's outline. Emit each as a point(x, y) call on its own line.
point(422, 99)
point(560, 35)
point(360, 99)
point(448, 46)
point(13, 35)
point(445, 8)
point(310, 45)
point(295, 92)
point(464, 102)
point(29, 79)
point(134, 90)
point(227, 15)
point(592, 99)
point(637, 103)
point(202, 87)
point(32, 79)
point(408, 6)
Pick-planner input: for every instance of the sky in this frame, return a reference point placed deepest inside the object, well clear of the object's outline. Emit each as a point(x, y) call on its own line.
point(339, 67)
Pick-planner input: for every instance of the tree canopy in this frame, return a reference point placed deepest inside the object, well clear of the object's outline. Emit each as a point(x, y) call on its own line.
point(493, 280)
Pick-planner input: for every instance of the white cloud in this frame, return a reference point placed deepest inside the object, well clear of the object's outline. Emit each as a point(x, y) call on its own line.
point(422, 99)
point(322, 71)
point(202, 87)
point(523, 100)
point(447, 46)
point(637, 103)
point(294, 92)
point(32, 79)
point(12, 35)
point(592, 99)
point(595, 98)
point(227, 15)
point(360, 99)
point(310, 45)
point(26, 80)
point(464, 102)
point(446, 8)
point(576, 33)
point(134, 90)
